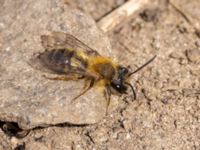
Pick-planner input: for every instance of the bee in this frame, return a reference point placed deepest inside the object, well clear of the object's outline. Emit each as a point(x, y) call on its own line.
point(71, 59)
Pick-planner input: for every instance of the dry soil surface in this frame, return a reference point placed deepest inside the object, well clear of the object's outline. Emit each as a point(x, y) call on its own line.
point(166, 113)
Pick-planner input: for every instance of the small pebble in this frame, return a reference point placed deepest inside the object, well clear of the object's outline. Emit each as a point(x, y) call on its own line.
point(193, 55)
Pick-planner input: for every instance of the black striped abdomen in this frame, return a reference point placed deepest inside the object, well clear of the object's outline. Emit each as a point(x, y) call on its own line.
point(62, 61)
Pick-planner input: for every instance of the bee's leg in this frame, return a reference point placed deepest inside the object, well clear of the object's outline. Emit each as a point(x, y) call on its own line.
point(107, 95)
point(86, 88)
point(64, 78)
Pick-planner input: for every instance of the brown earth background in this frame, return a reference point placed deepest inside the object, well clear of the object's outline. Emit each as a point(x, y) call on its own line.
point(166, 114)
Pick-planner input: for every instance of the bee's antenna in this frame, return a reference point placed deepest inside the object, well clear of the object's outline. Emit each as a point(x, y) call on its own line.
point(134, 93)
point(148, 62)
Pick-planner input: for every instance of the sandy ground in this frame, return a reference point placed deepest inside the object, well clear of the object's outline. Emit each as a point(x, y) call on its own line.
point(166, 114)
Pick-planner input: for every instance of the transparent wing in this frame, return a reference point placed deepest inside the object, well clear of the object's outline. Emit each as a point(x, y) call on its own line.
point(60, 61)
point(60, 40)
point(62, 55)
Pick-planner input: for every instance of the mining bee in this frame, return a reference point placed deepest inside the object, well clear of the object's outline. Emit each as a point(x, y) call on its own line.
point(71, 59)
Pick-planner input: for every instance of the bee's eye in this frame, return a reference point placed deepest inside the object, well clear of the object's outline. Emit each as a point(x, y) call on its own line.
point(118, 86)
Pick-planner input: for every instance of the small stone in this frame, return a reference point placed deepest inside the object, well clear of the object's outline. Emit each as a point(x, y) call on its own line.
point(100, 135)
point(197, 43)
point(128, 136)
point(150, 15)
point(14, 141)
point(193, 55)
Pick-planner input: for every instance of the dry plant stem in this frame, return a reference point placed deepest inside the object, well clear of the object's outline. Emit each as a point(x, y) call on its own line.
point(108, 22)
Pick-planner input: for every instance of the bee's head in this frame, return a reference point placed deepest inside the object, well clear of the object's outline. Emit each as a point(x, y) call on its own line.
point(118, 83)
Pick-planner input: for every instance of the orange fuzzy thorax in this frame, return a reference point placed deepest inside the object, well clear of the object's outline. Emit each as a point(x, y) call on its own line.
point(94, 63)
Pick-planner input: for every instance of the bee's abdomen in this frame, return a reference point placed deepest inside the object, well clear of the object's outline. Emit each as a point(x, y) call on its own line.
point(60, 57)
point(61, 60)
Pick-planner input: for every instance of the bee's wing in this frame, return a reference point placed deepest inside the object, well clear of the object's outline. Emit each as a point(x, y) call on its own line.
point(37, 63)
point(62, 55)
point(60, 63)
point(60, 40)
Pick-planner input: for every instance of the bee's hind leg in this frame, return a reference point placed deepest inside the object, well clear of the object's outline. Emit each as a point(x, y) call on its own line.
point(64, 78)
point(86, 88)
point(107, 96)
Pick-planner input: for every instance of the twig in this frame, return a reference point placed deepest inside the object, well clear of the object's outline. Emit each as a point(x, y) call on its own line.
point(108, 22)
